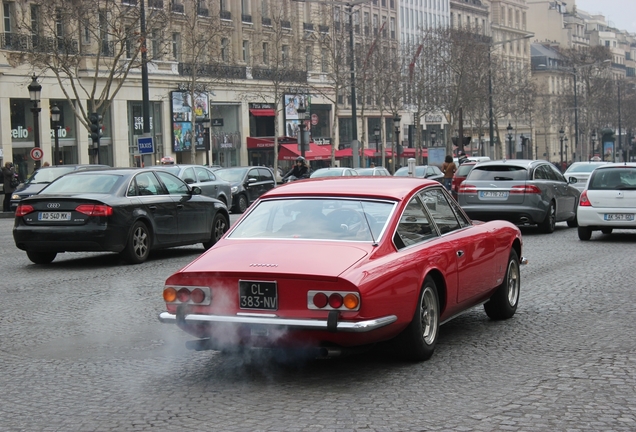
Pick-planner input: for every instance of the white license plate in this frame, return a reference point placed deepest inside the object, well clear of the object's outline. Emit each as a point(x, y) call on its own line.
point(619, 216)
point(54, 216)
point(493, 194)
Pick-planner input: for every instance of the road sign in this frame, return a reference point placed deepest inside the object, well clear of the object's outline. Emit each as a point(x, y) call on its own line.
point(145, 145)
point(37, 153)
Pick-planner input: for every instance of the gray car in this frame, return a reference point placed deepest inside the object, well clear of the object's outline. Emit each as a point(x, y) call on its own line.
point(375, 171)
point(334, 172)
point(578, 173)
point(198, 175)
point(430, 172)
point(524, 192)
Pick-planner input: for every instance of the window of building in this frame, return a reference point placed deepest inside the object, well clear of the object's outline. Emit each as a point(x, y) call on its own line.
point(156, 44)
point(265, 53)
point(246, 51)
point(225, 49)
point(245, 7)
point(324, 63)
point(265, 8)
point(35, 19)
point(309, 60)
point(176, 46)
point(392, 28)
point(285, 55)
point(7, 16)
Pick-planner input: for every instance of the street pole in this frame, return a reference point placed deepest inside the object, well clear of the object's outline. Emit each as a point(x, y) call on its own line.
point(354, 120)
point(576, 116)
point(34, 94)
point(145, 93)
point(492, 127)
point(620, 141)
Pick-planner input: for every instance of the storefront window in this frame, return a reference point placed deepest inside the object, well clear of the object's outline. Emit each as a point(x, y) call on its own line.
point(21, 120)
point(136, 128)
point(225, 137)
point(66, 133)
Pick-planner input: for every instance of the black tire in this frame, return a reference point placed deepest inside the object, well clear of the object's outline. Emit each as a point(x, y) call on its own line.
point(573, 223)
point(138, 247)
point(241, 204)
point(220, 225)
point(548, 224)
point(417, 342)
point(584, 233)
point(41, 257)
point(607, 230)
point(503, 303)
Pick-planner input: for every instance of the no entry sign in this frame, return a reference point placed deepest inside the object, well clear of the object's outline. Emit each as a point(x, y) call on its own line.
point(36, 153)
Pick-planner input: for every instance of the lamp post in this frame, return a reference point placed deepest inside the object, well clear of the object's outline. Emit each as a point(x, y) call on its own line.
point(567, 155)
point(35, 90)
point(302, 111)
point(593, 144)
point(482, 151)
point(509, 129)
point(396, 123)
point(55, 118)
point(376, 134)
point(561, 135)
point(523, 146)
point(620, 141)
point(206, 128)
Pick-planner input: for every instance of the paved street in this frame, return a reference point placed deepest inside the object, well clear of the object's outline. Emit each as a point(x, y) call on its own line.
point(81, 349)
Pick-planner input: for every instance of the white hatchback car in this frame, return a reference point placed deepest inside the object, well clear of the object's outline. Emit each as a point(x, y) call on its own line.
point(608, 201)
point(578, 173)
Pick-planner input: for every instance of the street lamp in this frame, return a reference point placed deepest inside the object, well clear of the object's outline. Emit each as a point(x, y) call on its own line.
point(55, 118)
point(206, 127)
point(567, 155)
point(396, 123)
point(561, 135)
point(482, 151)
point(35, 90)
point(376, 134)
point(302, 112)
point(509, 129)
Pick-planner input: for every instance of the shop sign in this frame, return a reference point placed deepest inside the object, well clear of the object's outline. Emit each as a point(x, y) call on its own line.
point(322, 141)
point(261, 106)
point(433, 118)
point(20, 132)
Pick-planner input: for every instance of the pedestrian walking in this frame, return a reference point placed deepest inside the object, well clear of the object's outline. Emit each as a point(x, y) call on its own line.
point(448, 168)
point(8, 182)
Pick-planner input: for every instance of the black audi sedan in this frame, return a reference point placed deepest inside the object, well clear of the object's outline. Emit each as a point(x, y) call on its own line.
point(125, 210)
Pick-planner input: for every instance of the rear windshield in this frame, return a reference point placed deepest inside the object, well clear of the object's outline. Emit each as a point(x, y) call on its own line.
point(585, 168)
point(463, 170)
point(231, 175)
point(613, 178)
point(76, 184)
point(498, 173)
point(47, 175)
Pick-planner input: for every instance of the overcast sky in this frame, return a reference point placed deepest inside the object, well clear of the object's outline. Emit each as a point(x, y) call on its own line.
point(621, 13)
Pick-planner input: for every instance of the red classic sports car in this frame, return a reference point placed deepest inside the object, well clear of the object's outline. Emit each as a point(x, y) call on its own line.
point(338, 263)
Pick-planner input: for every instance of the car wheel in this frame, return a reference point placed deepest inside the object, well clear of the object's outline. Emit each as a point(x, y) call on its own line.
point(503, 303)
point(220, 225)
point(548, 224)
point(573, 223)
point(41, 257)
point(241, 204)
point(607, 230)
point(417, 342)
point(584, 233)
point(138, 247)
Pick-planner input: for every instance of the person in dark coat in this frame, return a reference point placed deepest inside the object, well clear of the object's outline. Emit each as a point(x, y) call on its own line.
point(8, 172)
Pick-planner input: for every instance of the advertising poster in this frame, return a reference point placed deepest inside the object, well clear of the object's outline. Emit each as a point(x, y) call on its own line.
point(183, 109)
point(182, 136)
point(199, 134)
point(608, 151)
point(292, 102)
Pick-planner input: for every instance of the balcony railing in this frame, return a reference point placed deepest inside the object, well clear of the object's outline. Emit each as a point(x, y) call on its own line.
point(129, 2)
point(226, 15)
point(285, 24)
point(266, 21)
point(107, 49)
point(213, 70)
point(246, 18)
point(323, 28)
point(178, 8)
point(38, 44)
point(308, 26)
point(203, 12)
point(279, 75)
point(155, 4)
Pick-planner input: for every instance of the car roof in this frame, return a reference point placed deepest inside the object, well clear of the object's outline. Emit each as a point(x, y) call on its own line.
point(522, 163)
point(609, 165)
point(385, 187)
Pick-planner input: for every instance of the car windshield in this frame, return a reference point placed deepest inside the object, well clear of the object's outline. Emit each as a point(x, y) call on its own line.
point(231, 175)
point(99, 183)
point(613, 178)
point(464, 169)
point(316, 219)
point(583, 168)
point(498, 172)
point(420, 171)
point(171, 169)
point(47, 175)
point(327, 173)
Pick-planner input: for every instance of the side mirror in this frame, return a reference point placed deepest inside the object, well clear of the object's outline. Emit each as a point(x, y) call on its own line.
point(196, 190)
point(572, 180)
point(188, 180)
point(251, 180)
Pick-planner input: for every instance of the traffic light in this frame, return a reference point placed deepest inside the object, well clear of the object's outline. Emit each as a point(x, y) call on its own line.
point(95, 127)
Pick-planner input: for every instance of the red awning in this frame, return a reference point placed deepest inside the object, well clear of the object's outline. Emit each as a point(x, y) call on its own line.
point(348, 152)
point(265, 112)
point(315, 152)
point(268, 142)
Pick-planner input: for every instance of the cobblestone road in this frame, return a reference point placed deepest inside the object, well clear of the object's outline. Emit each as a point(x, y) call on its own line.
point(81, 350)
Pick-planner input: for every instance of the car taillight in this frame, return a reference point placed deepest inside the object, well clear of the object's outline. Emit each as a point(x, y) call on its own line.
point(187, 295)
point(23, 209)
point(583, 200)
point(94, 209)
point(333, 300)
point(467, 188)
point(525, 189)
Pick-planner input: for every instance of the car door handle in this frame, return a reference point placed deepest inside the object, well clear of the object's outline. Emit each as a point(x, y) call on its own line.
point(460, 253)
point(152, 208)
point(179, 206)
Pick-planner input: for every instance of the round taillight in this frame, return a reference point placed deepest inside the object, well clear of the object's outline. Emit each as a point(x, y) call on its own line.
point(335, 300)
point(351, 301)
point(183, 295)
point(320, 300)
point(169, 295)
point(197, 295)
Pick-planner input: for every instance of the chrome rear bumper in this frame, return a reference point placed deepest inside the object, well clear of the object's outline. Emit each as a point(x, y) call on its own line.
point(298, 324)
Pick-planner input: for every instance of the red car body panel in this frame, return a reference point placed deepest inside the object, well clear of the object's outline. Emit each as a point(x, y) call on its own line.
point(458, 179)
point(388, 280)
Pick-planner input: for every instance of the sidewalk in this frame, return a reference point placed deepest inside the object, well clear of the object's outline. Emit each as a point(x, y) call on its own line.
point(7, 215)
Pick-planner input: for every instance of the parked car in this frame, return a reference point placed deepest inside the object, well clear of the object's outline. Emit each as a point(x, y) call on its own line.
point(382, 259)
point(248, 183)
point(578, 173)
point(124, 210)
point(375, 171)
point(44, 176)
point(460, 176)
point(525, 192)
point(205, 179)
point(430, 172)
point(609, 200)
point(334, 172)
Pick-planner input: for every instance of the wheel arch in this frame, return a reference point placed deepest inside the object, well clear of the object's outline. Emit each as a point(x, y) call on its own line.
point(440, 283)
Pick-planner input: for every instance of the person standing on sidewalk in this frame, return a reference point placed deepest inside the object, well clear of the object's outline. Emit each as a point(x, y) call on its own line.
point(8, 173)
point(448, 168)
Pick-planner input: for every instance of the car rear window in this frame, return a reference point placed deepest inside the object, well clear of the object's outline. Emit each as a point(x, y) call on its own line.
point(613, 178)
point(73, 184)
point(498, 173)
point(464, 169)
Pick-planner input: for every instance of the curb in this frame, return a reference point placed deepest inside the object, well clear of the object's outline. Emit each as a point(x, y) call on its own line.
point(7, 215)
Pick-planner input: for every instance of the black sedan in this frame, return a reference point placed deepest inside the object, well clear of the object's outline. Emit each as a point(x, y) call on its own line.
point(248, 183)
point(128, 211)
